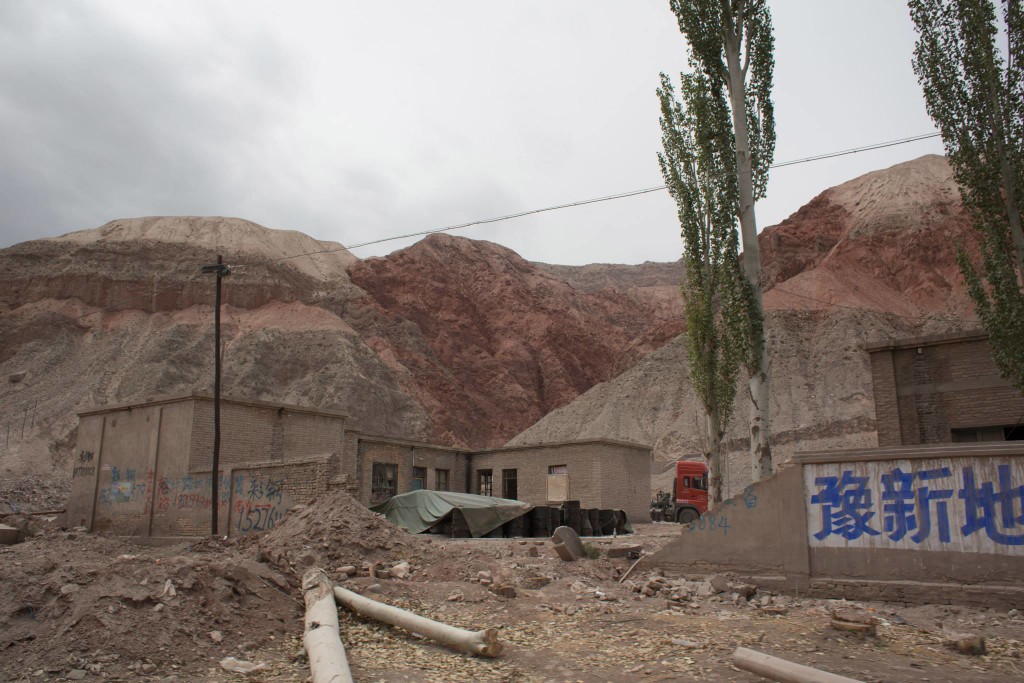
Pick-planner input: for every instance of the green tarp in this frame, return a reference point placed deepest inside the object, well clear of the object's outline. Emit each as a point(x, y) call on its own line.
point(417, 511)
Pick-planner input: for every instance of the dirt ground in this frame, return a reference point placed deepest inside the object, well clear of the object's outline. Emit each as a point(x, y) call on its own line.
point(79, 606)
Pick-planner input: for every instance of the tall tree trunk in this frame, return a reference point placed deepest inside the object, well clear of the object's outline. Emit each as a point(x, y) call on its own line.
point(759, 374)
point(713, 427)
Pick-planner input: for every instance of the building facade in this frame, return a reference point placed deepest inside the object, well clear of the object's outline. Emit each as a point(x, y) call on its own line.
point(145, 469)
point(942, 389)
point(600, 473)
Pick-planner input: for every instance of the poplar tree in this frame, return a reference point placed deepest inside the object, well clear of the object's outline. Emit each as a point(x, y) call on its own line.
point(697, 153)
point(976, 98)
point(732, 46)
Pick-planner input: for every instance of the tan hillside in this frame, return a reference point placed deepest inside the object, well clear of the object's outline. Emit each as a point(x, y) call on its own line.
point(871, 259)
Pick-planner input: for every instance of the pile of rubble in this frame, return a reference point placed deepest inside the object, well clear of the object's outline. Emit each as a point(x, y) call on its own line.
point(682, 593)
point(334, 531)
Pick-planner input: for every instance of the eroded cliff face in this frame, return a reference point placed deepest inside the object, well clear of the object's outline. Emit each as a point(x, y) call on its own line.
point(871, 259)
point(490, 342)
point(452, 340)
point(122, 313)
point(461, 341)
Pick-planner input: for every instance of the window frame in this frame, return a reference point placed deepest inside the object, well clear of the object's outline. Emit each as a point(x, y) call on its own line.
point(505, 479)
point(383, 486)
point(481, 487)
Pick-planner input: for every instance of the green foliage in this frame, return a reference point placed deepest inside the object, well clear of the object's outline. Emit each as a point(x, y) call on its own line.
point(719, 33)
point(732, 55)
point(698, 165)
point(976, 98)
point(591, 551)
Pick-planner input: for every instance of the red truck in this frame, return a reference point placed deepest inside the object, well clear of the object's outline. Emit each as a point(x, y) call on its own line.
point(689, 497)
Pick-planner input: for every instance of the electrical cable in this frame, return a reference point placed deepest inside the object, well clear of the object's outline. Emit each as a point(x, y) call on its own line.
point(583, 202)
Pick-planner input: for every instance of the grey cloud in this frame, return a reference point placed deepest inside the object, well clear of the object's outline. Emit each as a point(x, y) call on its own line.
point(101, 124)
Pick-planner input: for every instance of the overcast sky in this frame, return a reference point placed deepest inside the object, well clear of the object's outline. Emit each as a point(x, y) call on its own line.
point(353, 121)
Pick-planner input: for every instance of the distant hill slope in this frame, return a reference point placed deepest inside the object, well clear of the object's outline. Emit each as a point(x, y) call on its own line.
point(490, 342)
point(463, 341)
point(870, 259)
point(451, 340)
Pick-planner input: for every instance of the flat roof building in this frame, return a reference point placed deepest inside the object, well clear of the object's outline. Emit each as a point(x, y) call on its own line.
point(144, 469)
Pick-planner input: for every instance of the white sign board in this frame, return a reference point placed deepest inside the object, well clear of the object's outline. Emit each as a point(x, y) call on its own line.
point(970, 505)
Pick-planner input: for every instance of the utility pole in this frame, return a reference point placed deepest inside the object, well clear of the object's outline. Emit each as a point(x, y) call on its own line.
point(220, 270)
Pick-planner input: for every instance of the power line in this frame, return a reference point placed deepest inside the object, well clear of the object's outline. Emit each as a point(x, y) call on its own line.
point(866, 148)
point(583, 202)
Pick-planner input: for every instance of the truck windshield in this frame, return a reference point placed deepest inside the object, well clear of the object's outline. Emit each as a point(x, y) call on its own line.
point(700, 483)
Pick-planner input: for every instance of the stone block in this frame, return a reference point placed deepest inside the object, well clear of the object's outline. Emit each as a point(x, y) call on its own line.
point(567, 544)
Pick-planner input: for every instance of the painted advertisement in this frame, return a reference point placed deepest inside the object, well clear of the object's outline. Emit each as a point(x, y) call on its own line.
point(972, 505)
point(259, 502)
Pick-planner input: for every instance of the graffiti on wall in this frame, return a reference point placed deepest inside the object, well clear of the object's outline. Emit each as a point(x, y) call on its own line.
point(84, 466)
point(257, 502)
point(958, 504)
point(260, 503)
point(191, 492)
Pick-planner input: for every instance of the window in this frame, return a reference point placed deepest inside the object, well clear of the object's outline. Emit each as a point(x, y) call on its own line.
point(558, 483)
point(510, 484)
point(485, 483)
point(972, 434)
point(441, 480)
point(384, 483)
point(419, 478)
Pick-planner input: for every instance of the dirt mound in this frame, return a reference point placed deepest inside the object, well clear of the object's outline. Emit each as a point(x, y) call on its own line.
point(333, 531)
point(101, 606)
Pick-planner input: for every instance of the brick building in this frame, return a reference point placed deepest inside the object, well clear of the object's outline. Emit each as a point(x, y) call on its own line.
point(942, 389)
point(600, 473)
point(145, 469)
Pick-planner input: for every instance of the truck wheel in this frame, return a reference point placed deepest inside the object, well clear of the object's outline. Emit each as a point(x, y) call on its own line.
point(687, 515)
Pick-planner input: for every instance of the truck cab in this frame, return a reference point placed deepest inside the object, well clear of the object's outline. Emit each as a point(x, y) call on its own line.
point(690, 491)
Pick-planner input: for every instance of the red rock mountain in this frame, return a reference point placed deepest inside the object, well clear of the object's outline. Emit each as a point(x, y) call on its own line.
point(489, 342)
point(462, 341)
point(871, 259)
point(451, 340)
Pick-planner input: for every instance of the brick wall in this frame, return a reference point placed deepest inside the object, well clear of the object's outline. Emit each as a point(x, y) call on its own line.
point(601, 474)
point(925, 390)
point(263, 494)
point(626, 481)
point(887, 409)
point(254, 432)
point(405, 455)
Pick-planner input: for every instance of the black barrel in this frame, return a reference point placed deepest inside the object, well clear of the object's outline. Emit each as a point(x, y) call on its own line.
point(540, 521)
point(585, 528)
point(620, 523)
point(460, 529)
point(514, 528)
point(607, 520)
point(572, 518)
point(595, 523)
point(556, 518)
